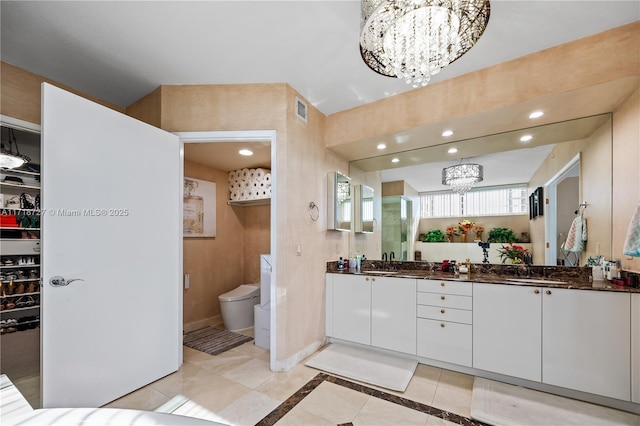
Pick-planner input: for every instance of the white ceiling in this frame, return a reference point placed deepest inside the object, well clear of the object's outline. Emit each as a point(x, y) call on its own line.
point(121, 50)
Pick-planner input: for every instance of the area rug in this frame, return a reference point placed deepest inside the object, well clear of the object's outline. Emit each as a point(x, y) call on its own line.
point(501, 404)
point(214, 341)
point(364, 365)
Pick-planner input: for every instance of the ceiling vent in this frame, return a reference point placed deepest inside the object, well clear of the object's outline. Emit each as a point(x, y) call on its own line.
point(301, 109)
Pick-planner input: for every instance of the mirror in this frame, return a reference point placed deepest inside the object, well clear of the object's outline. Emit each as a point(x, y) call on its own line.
point(363, 221)
point(502, 155)
point(338, 202)
point(396, 227)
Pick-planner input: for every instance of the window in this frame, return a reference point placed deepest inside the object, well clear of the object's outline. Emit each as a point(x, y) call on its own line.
point(493, 201)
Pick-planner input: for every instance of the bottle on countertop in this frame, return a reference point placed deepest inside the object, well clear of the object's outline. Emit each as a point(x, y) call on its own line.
point(340, 264)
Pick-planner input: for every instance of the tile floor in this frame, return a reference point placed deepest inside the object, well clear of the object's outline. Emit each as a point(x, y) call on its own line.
point(240, 389)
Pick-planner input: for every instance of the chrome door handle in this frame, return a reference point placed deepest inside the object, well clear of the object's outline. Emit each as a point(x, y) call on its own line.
point(58, 281)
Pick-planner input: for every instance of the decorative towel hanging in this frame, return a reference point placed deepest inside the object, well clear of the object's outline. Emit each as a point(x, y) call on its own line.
point(632, 241)
point(577, 235)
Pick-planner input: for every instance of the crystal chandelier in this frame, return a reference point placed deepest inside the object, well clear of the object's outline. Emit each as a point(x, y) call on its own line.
point(462, 177)
point(11, 158)
point(414, 39)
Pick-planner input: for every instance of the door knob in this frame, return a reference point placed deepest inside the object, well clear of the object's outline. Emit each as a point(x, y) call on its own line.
point(58, 281)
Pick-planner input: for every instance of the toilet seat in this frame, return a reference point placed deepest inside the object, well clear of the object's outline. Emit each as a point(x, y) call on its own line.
point(242, 292)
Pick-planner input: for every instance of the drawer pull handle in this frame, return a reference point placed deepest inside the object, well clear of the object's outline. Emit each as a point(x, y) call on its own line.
point(548, 291)
point(373, 279)
point(366, 279)
point(442, 297)
point(442, 311)
point(442, 325)
point(442, 284)
point(536, 291)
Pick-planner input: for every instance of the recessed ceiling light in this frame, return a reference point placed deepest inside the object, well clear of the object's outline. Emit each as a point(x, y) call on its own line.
point(246, 152)
point(526, 138)
point(395, 160)
point(452, 150)
point(447, 133)
point(536, 114)
point(381, 146)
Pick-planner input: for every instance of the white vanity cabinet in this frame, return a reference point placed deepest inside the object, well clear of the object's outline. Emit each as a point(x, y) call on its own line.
point(635, 347)
point(350, 310)
point(586, 341)
point(393, 314)
point(507, 332)
point(444, 316)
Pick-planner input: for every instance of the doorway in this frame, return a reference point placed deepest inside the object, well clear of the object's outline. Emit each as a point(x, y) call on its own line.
point(230, 141)
point(563, 193)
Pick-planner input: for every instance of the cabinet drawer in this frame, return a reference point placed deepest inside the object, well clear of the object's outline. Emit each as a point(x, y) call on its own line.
point(445, 300)
point(17, 246)
point(448, 287)
point(445, 341)
point(445, 314)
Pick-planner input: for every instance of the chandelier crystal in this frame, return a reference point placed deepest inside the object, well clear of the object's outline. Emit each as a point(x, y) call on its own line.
point(415, 39)
point(461, 177)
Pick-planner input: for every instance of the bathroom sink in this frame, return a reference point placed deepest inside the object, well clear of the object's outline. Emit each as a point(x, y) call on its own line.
point(532, 281)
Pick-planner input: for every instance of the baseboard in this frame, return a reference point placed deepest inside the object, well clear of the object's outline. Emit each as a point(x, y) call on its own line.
point(298, 357)
point(207, 322)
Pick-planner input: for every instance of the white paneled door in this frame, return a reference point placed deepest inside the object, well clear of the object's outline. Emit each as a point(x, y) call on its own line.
point(111, 252)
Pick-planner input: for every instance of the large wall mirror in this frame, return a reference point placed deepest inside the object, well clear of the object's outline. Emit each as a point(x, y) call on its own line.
point(546, 158)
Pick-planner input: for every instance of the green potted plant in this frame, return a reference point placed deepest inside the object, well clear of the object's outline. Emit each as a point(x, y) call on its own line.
point(433, 236)
point(502, 235)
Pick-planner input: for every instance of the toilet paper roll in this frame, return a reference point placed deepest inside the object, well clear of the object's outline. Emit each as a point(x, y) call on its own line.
point(244, 174)
point(261, 172)
point(233, 175)
point(234, 196)
point(267, 178)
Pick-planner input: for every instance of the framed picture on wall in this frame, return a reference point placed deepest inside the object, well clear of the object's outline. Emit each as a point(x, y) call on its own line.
point(539, 194)
point(199, 208)
point(532, 208)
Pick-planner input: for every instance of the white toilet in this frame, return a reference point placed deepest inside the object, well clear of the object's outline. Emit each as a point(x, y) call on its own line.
point(237, 306)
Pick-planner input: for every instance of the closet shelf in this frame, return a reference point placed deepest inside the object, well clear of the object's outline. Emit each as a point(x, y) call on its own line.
point(11, 185)
point(36, 265)
point(28, 308)
point(35, 293)
point(255, 202)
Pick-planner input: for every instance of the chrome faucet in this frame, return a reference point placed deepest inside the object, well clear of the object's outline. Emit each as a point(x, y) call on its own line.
point(392, 256)
point(384, 260)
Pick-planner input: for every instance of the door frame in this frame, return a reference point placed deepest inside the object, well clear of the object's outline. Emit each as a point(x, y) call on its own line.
point(551, 211)
point(215, 136)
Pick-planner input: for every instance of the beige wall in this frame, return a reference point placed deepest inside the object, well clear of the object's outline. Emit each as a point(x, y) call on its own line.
point(20, 93)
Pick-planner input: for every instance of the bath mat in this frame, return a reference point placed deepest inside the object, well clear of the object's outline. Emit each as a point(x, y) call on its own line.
point(213, 340)
point(502, 404)
point(366, 366)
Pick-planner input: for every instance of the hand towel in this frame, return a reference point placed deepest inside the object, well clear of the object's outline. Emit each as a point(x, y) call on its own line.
point(632, 241)
point(577, 235)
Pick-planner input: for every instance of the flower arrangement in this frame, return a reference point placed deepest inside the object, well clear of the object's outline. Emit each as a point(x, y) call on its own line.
point(512, 252)
point(478, 229)
point(452, 230)
point(466, 225)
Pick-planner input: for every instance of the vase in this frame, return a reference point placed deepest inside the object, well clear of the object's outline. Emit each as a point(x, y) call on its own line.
point(479, 235)
point(463, 237)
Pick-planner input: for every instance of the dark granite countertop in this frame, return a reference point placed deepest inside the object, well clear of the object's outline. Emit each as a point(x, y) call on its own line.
point(521, 275)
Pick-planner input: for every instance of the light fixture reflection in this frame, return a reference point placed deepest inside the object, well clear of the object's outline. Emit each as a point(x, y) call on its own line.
point(526, 138)
point(381, 146)
point(536, 114)
point(245, 152)
point(461, 177)
point(447, 133)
